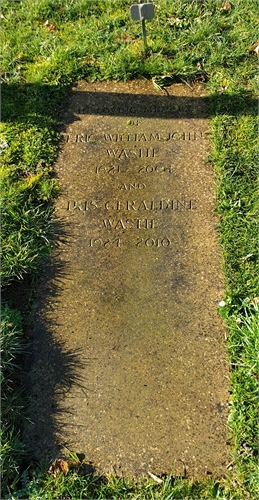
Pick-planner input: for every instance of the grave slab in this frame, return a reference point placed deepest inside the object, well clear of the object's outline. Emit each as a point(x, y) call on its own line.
point(128, 364)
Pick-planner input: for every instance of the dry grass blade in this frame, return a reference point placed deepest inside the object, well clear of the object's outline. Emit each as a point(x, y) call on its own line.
point(155, 478)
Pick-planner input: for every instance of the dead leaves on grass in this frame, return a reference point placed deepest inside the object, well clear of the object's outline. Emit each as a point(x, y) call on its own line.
point(50, 26)
point(226, 6)
point(58, 466)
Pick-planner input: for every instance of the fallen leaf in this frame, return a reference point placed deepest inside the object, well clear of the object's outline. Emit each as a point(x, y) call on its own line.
point(49, 25)
point(63, 465)
point(254, 301)
point(58, 466)
point(226, 6)
point(257, 49)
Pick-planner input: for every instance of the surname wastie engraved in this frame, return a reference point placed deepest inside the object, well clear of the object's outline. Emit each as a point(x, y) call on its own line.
point(119, 224)
point(135, 152)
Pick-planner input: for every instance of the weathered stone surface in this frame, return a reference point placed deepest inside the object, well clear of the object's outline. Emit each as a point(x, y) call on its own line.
point(128, 363)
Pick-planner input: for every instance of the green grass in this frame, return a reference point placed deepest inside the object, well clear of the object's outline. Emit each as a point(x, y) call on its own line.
point(209, 41)
point(236, 151)
point(12, 348)
point(78, 487)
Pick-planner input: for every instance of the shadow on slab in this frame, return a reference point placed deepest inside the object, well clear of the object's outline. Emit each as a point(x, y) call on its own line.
point(51, 368)
point(35, 104)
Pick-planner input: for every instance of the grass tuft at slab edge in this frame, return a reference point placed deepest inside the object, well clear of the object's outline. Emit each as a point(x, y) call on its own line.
point(187, 40)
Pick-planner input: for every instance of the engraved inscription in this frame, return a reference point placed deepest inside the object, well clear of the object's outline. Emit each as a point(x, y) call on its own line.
point(118, 205)
point(105, 243)
point(130, 224)
point(84, 137)
point(137, 242)
point(147, 169)
point(159, 169)
point(79, 138)
point(156, 136)
point(118, 169)
point(132, 137)
point(144, 205)
point(152, 242)
point(132, 153)
point(122, 224)
point(129, 187)
point(122, 109)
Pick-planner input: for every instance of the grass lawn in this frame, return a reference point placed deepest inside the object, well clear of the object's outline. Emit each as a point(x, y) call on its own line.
point(46, 46)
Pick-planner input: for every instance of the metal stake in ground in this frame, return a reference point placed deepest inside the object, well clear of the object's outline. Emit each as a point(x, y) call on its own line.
point(142, 12)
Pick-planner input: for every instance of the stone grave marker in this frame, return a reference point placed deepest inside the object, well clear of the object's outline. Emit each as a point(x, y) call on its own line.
point(128, 363)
